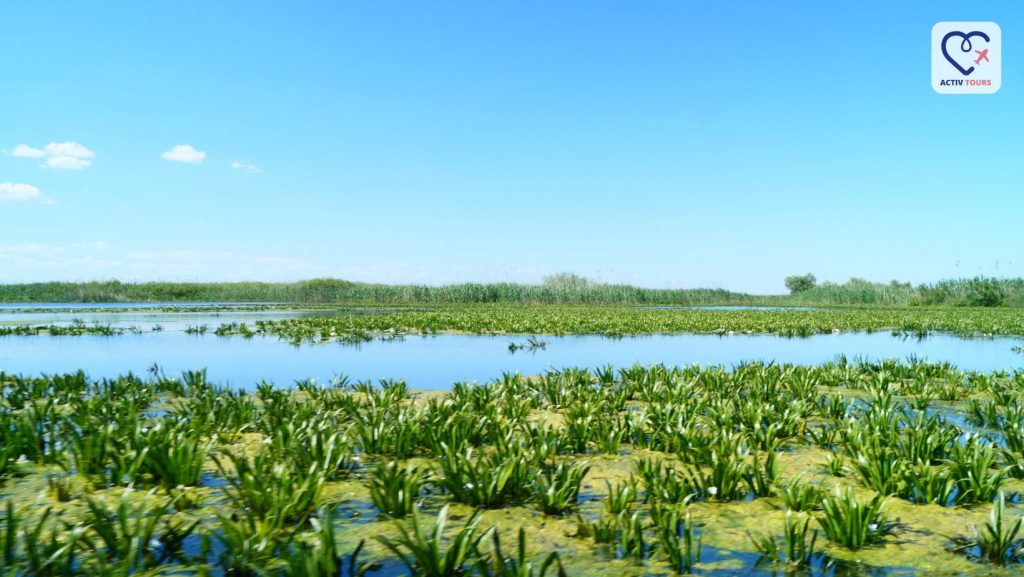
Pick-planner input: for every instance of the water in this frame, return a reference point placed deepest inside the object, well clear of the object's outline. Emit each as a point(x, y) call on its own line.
point(148, 317)
point(435, 362)
point(139, 305)
point(727, 308)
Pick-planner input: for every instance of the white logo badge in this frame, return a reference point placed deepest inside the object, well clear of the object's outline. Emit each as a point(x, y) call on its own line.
point(966, 57)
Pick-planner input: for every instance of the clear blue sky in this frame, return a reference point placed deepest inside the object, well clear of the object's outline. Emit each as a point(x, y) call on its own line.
point(681, 144)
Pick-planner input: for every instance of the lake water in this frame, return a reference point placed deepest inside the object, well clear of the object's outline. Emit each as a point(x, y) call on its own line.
point(435, 362)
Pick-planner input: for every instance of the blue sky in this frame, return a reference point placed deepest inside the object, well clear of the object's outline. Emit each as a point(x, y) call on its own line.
point(680, 144)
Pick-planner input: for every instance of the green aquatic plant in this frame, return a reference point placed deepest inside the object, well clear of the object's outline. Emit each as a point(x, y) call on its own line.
point(386, 430)
point(795, 550)
point(497, 564)
point(629, 539)
point(174, 455)
point(272, 490)
point(997, 540)
point(557, 488)
point(394, 489)
point(835, 465)
point(52, 553)
point(621, 496)
point(8, 539)
point(663, 483)
point(799, 496)
point(678, 540)
point(488, 481)
point(426, 554)
point(852, 523)
point(320, 557)
point(881, 469)
point(723, 481)
point(761, 477)
point(249, 544)
point(61, 487)
point(136, 538)
point(315, 442)
point(978, 474)
point(927, 483)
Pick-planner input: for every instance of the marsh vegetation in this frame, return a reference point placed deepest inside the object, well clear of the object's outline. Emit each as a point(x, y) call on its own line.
point(635, 470)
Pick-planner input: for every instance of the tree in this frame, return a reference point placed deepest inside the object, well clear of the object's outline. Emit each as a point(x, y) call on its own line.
point(798, 284)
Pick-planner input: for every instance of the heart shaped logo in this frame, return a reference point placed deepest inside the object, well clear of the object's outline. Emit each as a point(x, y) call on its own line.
point(965, 46)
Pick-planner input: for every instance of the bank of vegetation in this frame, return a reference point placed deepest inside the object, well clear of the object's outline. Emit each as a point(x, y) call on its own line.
point(555, 289)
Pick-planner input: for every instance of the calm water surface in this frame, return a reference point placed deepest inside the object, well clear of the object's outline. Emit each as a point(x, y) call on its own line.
point(435, 362)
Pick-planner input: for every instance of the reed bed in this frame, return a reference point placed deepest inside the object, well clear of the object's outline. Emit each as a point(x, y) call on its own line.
point(564, 288)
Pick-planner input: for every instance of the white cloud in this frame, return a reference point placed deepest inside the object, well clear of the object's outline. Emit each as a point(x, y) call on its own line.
point(26, 151)
point(185, 153)
point(67, 163)
point(251, 168)
point(60, 155)
point(17, 192)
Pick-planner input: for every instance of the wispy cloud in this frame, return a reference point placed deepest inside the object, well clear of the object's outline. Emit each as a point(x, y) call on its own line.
point(250, 168)
point(75, 261)
point(39, 249)
point(185, 153)
point(26, 151)
point(60, 155)
point(180, 255)
point(19, 192)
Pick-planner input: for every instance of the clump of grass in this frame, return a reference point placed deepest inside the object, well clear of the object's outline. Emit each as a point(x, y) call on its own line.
point(557, 488)
point(724, 481)
point(799, 496)
point(500, 565)
point(662, 483)
point(853, 523)
point(977, 471)
point(490, 481)
point(795, 550)
point(997, 540)
point(426, 554)
point(621, 536)
point(272, 491)
point(136, 538)
point(678, 540)
point(394, 489)
point(321, 557)
point(61, 487)
point(621, 496)
point(174, 456)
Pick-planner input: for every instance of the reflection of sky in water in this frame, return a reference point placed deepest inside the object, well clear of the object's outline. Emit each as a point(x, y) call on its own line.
point(436, 362)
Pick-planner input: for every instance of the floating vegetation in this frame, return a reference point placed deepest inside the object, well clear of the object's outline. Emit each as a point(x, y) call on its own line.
point(641, 469)
point(531, 344)
point(75, 329)
point(622, 321)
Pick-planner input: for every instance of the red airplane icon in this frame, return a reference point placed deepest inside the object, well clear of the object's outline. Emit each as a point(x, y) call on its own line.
point(982, 55)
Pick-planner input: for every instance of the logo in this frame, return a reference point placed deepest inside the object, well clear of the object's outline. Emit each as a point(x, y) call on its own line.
point(966, 57)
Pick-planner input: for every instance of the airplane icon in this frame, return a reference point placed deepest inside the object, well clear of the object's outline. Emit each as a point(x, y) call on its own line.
point(982, 55)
